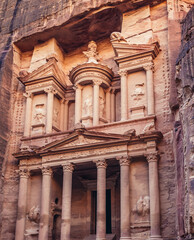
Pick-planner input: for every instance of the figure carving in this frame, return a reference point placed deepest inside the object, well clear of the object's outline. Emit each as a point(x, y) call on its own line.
point(117, 36)
point(56, 116)
point(138, 93)
point(101, 103)
point(143, 206)
point(87, 107)
point(34, 214)
point(92, 53)
point(149, 127)
point(39, 116)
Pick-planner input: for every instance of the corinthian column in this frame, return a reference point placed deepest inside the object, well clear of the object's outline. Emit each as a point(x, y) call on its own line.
point(152, 159)
point(78, 103)
point(22, 203)
point(101, 200)
point(150, 88)
point(45, 203)
point(125, 197)
point(96, 107)
point(66, 201)
point(124, 98)
point(49, 117)
point(28, 114)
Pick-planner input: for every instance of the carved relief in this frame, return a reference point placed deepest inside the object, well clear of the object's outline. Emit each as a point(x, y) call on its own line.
point(87, 106)
point(143, 206)
point(39, 114)
point(138, 93)
point(117, 36)
point(34, 214)
point(92, 53)
point(56, 115)
point(101, 103)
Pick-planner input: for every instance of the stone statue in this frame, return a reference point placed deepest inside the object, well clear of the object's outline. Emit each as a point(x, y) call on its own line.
point(39, 115)
point(87, 107)
point(34, 214)
point(92, 53)
point(101, 103)
point(56, 116)
point(117, 36)
point(143, 206)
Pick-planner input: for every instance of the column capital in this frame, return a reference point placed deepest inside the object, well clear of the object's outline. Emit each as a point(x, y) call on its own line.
point(77, 86)
point(27, 94)
point(50, 90)
point(152, 157)
point(24, 173)
point(68, 167)
point(149, 66)
point(101, 163)
point(46, 170)
point(124, 160)
point(97, 82)
point(122, 73)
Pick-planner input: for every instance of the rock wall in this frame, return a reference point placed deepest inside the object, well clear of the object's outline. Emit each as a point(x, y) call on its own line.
point(185, 127)
point(24, 19)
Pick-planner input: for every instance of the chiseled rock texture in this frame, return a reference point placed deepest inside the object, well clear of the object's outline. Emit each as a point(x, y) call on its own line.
point(184, 130)
point(39, 19)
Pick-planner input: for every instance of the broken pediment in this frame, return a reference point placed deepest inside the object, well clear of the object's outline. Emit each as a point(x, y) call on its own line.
point(82, 138)
point(47, 71)
point(125, 50)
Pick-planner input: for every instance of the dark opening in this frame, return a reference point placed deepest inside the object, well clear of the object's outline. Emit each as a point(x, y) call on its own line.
point(56, 227)
point(56, 200)
point(94, 212)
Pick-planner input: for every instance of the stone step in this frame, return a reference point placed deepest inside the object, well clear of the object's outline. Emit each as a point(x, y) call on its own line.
point(108, 237)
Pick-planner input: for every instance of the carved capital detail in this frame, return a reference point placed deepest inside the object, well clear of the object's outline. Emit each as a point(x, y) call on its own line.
point(68, 167)
point(124, 160)
point(50, 90)
point(46, 171)
point(97, 82)
point(122, 73)
point(149, 66)
point(101, 163)
point(77, 86)
point(24, 173)
point(152, 157)
point(27, 94)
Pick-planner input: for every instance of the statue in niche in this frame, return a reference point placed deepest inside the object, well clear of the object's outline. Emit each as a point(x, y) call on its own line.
point(39, 115)
point(87, 107)
point(56, 116)
point(34, 214)
point(92, 53)
point(138, 93)
point(143, 206)
point(101, 103)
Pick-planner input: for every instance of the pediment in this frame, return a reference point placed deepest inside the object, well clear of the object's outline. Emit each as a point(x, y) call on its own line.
point(49, 69)
point(123, 49)
point(79, 139)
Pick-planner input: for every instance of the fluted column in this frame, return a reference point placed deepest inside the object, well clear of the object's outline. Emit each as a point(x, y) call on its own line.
point(152, 159)
point(28, 114)
point(22, 203)
point(125, 197)
point(124, 98)
point(49, 117)
point(108, 105)
point(101, 200)
point(150, 88)
point(66, 201)
point(96, 106)
point(45, 203)
point(78, 103)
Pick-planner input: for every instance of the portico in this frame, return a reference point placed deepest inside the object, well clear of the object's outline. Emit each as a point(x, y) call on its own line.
point(108, 158)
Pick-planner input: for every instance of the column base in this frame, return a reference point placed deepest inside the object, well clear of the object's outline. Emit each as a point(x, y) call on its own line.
point(155, 237)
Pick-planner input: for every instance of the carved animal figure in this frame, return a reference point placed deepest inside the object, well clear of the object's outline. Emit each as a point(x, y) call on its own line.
point(34, 214)
point(117, 36)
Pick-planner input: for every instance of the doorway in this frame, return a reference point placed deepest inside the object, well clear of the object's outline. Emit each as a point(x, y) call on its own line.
point(94, 212)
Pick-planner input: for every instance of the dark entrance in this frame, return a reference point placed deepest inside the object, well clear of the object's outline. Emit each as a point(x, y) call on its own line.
point(94, 211)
